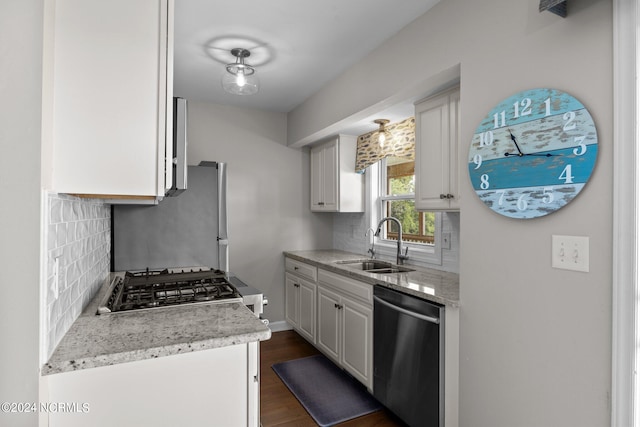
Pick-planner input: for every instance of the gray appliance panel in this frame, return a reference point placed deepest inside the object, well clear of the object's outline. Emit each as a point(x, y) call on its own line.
point(179, 231)
point(408, 357)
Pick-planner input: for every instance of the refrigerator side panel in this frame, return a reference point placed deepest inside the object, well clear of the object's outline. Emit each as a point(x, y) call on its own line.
point(223, 230)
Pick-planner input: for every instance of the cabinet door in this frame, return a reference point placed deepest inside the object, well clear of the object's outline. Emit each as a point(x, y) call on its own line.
point(316, 179)
point(357, 343)
point(328, 338)
point(307, 304)
point(292, 300)
point(324, 177)
point(330, 171)
point(211, 386)
point(454, 150)
point(112, 78)
point(432, 154)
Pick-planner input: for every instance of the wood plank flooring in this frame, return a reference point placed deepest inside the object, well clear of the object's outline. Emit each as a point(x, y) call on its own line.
point(278, 406)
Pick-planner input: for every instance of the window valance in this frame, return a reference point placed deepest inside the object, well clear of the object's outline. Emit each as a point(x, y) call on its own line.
point(402, 144)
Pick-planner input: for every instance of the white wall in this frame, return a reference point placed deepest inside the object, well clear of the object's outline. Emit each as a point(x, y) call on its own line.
point(268, 193)
point(535, 341)
point(20, 115)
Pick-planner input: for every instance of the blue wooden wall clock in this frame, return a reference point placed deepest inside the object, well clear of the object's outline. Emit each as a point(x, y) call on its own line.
point(533, 153)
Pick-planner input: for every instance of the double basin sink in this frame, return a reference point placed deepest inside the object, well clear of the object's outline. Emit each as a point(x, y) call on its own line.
point(375, 266)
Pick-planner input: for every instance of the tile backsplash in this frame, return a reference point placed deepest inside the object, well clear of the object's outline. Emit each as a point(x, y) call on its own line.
point(350, 234)
point(78, 250)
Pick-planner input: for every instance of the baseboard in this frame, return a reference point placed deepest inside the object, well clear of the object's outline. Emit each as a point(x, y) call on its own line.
point(280, 325)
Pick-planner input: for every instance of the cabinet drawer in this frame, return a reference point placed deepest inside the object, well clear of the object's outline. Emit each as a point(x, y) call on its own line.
point(347, 286)
point(301, 269)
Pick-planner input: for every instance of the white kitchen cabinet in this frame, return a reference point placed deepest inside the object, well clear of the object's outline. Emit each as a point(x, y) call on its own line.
point(111, 98)
point(345, 324)
point(300, 298)
point(300, 309)
point(437, 150)
point(329, 323)
point(335, 187)
point(210, 387)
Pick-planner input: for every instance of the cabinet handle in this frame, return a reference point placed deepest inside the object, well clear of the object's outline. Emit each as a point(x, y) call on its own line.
point(447, 196)
point(320, 203)
point(443, 196)
point(296, 285)
point(338, 306)
point(295, 268)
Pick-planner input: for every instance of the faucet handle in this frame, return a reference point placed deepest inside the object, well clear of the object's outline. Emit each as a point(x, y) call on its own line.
point(406, 253)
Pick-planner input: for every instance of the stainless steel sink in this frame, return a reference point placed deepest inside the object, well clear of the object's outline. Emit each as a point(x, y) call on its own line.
point(375, 266)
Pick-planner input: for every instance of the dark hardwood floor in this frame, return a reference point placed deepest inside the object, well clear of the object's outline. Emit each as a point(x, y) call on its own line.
point(278, 406)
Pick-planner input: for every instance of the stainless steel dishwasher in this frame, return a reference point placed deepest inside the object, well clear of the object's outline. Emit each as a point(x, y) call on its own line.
point(408, 357)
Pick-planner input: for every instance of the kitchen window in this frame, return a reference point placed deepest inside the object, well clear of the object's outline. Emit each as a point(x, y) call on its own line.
point(394, 193)
point(398, 200)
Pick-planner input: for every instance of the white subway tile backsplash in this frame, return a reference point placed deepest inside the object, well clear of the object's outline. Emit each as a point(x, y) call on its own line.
point(55, 214)
point(79, 237)
point(349, 234)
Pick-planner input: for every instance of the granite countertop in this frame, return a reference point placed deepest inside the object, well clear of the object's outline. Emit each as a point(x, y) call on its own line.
point(108, 339)
point(426, 283)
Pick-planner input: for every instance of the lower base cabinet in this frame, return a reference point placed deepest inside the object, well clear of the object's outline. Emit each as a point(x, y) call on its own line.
point(300, 305)
point(217, 387)
point(345, 325)
point(339, 313)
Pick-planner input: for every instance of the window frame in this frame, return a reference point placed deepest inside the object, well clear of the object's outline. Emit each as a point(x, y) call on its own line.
point(402, 171)
point(419, 253)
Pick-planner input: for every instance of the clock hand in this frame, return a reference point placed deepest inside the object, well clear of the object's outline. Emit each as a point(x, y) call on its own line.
point(513, 138)
point(541, 155)
point(532, 154)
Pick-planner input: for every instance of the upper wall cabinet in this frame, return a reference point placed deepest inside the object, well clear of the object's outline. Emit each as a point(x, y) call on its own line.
point(437, 141)
point(112, 86)
point(335, 187)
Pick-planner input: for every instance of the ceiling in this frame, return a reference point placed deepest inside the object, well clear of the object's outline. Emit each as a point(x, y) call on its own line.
point(297, 46)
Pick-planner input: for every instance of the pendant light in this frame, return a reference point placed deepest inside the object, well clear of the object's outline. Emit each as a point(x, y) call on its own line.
point(240, 78)
point(382, 136)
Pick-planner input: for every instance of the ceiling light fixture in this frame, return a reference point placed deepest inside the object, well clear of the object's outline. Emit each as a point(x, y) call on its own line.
point(382, 135)
point(240, 78)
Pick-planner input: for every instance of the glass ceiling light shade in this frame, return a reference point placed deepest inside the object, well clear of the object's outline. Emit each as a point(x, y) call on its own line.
point(240, 78)
point(383, 136)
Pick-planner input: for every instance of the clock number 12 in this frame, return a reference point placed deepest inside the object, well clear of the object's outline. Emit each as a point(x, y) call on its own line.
point(520, 109)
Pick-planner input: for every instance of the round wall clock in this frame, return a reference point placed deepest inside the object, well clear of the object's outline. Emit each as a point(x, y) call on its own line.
point(533, 153)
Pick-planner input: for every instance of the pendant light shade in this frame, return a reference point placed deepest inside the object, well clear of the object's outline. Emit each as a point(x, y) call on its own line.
point(240, 78)
point(382, 136)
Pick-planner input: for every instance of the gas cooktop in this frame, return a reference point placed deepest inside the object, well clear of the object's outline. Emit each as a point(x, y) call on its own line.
point(162, 288)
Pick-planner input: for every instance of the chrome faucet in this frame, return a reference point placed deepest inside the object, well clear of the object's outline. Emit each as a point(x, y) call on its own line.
point(400, 257)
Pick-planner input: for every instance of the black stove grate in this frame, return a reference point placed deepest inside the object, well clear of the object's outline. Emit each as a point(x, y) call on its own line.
point(161, 288)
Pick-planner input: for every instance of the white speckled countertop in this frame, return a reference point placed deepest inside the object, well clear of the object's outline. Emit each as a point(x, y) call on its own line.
point(429, 284)
point(102, 340)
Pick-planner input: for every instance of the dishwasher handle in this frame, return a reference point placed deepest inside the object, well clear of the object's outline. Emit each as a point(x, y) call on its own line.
point(407, 312)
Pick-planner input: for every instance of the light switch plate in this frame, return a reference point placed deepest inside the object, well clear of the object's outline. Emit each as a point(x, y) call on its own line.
point(446, 240)
point(570, 253)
